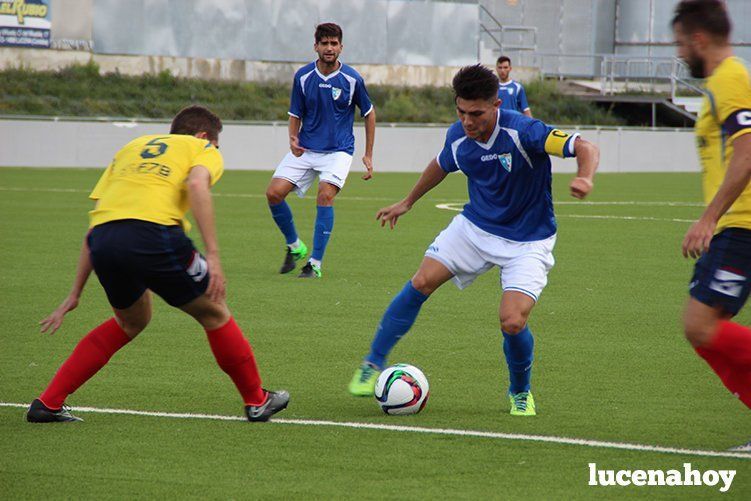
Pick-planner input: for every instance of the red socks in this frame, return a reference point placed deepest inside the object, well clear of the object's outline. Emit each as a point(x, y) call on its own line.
point(729, 355)
point(234, 355)
point(90, 354)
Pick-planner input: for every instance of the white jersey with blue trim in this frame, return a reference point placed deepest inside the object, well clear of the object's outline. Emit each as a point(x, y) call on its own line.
point(326, 106)
point(509, 178)
point(513, 96)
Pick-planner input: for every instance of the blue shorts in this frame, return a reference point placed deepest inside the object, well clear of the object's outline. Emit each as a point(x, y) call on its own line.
point(721, 276)
point(130, 256)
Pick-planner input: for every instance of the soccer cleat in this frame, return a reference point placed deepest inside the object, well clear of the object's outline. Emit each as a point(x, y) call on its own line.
point(292, 257)
point(522, 404)
point(310, 270)
point(276, 401)
point(364, 381)
point(40, 413)
point(741, 448)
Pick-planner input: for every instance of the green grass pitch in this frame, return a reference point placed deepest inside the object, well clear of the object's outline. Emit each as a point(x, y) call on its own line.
point(611, 362)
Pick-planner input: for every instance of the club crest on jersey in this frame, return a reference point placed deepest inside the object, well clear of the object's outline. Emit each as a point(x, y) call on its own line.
point(505, 159)
point(336, 92)
point(510, 91)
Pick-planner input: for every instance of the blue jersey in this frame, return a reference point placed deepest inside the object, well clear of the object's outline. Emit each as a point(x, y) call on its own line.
point(326, 106)
point(512, 96)
point(509, 178)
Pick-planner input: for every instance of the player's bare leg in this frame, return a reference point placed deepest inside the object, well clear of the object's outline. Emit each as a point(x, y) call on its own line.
point(134, 319)
point(89, 356)
point(324, 225)
point(700, 322)
point(235, 357)
point(396, 321)
point(276, 194)
point(723, 344)
point(518, 347)
point(430, 276)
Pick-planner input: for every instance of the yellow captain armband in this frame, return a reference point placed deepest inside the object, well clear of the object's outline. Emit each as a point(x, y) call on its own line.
point(560, 144)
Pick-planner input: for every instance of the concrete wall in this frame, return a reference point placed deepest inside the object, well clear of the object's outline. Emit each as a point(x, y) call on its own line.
point(39, 143)
point(217, 69)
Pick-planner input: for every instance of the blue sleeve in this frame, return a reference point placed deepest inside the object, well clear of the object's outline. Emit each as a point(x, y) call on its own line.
point(533, 135)
point(445, 158)
point(362, 99)
point(297, 99)
point(521, 99)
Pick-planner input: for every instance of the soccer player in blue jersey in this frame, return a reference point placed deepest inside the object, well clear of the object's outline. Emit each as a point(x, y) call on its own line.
point(511, 93)
point(321, 142)
point(508, 222)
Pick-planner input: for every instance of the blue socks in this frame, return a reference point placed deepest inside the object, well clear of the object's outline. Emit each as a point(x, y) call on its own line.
point(396, 321)
point(518, 350)
point(322, 231)
point(283, 218)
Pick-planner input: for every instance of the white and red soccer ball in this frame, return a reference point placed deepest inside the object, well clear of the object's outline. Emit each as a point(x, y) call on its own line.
point(402, 389)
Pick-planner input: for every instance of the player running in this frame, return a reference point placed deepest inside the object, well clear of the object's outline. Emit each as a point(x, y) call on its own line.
point(136, 244)
point(321, 143)
point(511, 93)
point(508, 222)
point(721, 238)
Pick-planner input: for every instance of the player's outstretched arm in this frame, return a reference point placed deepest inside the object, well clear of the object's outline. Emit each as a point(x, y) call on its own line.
point(294, 132)
point(367, 160)
point(587, 160)
point(55, 319)
point(430, 178)
point(199, 195)
point(699, 235)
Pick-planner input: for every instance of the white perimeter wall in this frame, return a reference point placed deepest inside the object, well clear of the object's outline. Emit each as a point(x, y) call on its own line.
point(49, 143)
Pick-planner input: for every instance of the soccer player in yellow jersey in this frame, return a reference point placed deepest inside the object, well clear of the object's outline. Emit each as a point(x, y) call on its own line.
point(137, 244)
point(721, 238)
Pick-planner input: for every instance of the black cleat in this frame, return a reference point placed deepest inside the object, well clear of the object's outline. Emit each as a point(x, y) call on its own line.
point(310, 271)
point(276, 401)
point(292, 257)
point(289, 262)
point(40, 413)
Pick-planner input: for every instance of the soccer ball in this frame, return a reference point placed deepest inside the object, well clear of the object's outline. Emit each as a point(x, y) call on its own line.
point(402, 389)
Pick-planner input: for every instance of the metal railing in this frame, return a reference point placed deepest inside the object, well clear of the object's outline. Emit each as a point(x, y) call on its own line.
point(615, 72)
point(525, 37)
point(645, 74)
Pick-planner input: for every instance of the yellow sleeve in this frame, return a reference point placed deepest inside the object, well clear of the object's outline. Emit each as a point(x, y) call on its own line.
point(210, 158)
point(102, 184)
point(730, 97)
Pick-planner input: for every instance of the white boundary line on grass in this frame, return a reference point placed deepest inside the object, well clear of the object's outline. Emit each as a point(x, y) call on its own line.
point(421, 429)
point(446, 206)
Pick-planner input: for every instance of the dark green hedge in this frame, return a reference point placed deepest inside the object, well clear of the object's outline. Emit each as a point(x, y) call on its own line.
point(80, 90)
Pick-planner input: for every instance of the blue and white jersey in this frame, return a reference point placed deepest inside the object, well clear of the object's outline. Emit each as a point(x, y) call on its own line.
point(326, 106)
point(509, 178)
point(512, 96)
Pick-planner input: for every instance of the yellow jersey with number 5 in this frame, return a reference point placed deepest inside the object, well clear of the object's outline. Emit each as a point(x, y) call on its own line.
point(725, 115)
point(146, 179)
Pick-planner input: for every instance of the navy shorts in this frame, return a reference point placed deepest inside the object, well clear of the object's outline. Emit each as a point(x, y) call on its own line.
point(130, 256)
point(721, 276)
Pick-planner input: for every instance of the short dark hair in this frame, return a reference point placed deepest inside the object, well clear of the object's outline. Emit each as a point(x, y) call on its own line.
point(328, 30)
point(709, 16)
point(475, 82)
point(194, 119)
point(503, 59)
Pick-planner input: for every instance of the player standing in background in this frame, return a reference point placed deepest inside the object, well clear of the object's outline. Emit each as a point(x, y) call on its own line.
point(721, 238)
point(508, 222)
point(511, 93)
point(136, 243)
point(321, 142)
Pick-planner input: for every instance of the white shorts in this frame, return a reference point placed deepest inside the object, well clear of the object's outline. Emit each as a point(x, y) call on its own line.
point(468, 252)
point(301, 171)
